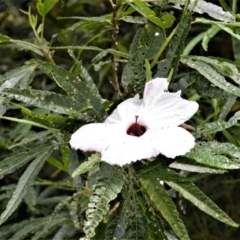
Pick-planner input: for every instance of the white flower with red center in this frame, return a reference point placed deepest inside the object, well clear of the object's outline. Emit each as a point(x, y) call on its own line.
point(141, 128)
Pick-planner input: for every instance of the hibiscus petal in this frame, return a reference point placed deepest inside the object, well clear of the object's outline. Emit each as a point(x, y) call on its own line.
point(154, 89)
point(93, 137)
point(125, 111)
point(171, 142)
point(162, 109)
point(127, 149)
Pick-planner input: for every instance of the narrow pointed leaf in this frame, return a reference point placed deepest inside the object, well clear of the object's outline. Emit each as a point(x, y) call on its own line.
point(10, 164)
point(192, 166)
point(78, 91)
point(166, 21)
point(214, 127)
point(215, 154)
point(175, 49)
point(47, 100)
point(189, 191)
point(24, 183)
point(211, 74)
point(165, 205)
point(87, 165)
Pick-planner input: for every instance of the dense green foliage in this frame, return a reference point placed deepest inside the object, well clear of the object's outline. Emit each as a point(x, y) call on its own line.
point(67, 63)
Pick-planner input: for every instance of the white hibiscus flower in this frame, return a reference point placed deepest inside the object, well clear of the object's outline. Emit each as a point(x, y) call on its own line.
point(141, 128)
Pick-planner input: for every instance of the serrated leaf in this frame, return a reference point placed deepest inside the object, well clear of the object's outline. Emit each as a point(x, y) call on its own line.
point(214, 127)
point(201, 84)
point(14, 228)
point(117, 226)
point(78, 91)
point(57, 221)
point(165, 205)
point(24, 183)
point(144, 45)
point(20, 77)
point(25, 45)
point(166, 21)
point(211, 9)
point(44, 6)
point(215, 154)
point(211, 74)
point(222, 66)
point(48, 120)
point(87, 165)
point(175, 49)
point(105, 190)
point(192, 166)
point(48, 100)
point(155, 225)
point(108, 50)
point(12, 163)
point(189, 191)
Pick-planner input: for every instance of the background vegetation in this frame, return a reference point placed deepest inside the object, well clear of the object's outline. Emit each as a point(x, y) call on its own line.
point(67, 63)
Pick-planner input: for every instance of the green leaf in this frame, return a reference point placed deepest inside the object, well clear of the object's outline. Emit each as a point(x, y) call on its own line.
point(26, 45)
point(144, 45)
point(24, 183)
point(214, 127)
point(15, 228)
point(215, 154)
point(105, 190)
point(56, 163)
point(87, 165)
point(192, 166)
point(189, 191)
point(80, 93)
point(117, 226)
point(4, 38)
point(210, 33)
point(166, 21)
point(211, 74)
point(20, 77)
point(197, 82)
point(48, 120)
point(58, 221)
point(165, 205)
point(44, 6)
point(48, 100)
point(222, 66)
point(155, 226)
point(175, 48)
point(12, 163)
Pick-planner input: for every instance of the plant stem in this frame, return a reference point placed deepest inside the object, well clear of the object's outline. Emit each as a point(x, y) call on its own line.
point(115, 32)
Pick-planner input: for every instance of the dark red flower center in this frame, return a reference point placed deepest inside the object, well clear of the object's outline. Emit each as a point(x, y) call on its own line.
point(136, 129)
